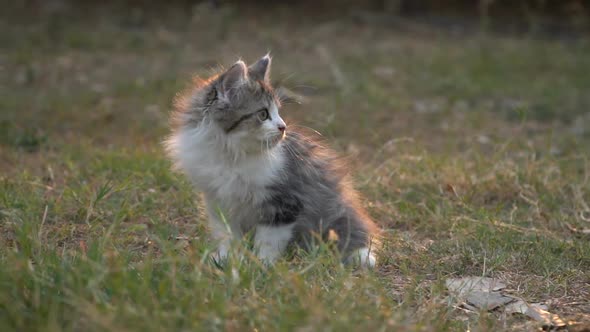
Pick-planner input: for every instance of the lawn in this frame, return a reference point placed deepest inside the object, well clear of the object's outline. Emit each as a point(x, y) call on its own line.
point(471, 151)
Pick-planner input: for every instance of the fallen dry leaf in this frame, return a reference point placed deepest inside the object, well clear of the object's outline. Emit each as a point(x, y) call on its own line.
point(478, 293)
point(537, 312)
point(521, 307)
point(461, 287)
point(488, 300)
point(585, 231)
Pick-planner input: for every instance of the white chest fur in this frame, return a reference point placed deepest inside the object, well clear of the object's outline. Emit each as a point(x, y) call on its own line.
point(216, 168)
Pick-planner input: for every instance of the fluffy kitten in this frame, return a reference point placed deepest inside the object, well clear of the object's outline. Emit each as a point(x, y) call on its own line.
point(259, 176)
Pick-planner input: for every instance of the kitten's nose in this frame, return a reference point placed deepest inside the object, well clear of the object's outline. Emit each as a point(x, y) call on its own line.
point(282, 127)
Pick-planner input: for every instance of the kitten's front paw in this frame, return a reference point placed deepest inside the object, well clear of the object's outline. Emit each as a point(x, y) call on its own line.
point(363, 257)
point(268, 255)
point(220, 256)
point(267, 260)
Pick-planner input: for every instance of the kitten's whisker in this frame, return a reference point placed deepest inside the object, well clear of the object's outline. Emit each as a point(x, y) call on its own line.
point(298, 157)
point(287, 78)
point(306, 86)
point(306, 127)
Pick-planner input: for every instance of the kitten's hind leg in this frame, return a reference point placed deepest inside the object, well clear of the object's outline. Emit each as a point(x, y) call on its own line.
point(271, 241)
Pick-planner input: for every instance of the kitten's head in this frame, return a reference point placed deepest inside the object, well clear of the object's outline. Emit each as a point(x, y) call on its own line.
point(242, 106)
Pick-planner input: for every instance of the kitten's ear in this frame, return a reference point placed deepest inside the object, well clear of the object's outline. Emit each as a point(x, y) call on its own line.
point(232, 79)
point(260, 71)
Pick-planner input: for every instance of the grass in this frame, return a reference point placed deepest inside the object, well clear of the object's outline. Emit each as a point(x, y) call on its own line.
point(471, 152)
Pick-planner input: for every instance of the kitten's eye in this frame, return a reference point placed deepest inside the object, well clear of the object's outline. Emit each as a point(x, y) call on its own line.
point(262, 114)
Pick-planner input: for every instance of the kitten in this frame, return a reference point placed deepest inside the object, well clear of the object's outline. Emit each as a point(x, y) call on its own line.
point(257, 175)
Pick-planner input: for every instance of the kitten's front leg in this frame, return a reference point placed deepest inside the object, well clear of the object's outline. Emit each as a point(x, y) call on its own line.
point(271, 241)
point(220, 232)
point(222, 237)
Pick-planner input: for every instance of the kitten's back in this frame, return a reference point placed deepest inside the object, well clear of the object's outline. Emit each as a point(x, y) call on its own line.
point(316, 192)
